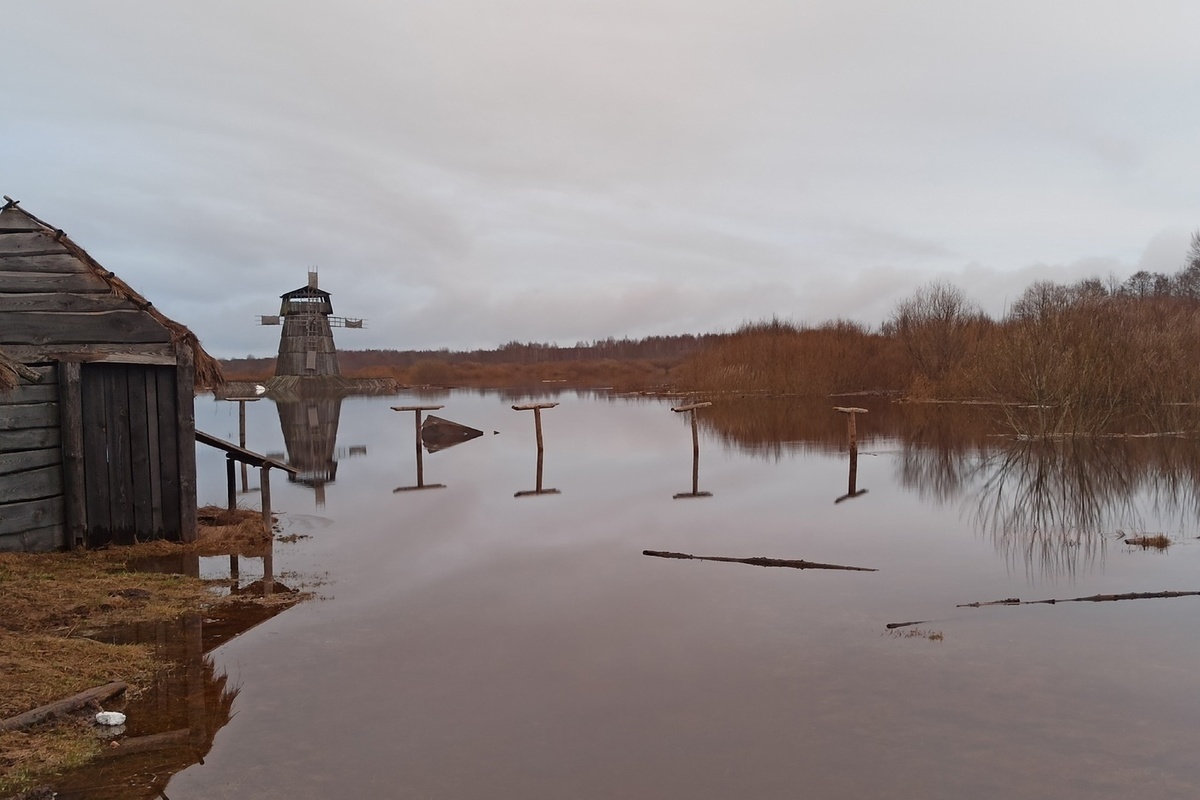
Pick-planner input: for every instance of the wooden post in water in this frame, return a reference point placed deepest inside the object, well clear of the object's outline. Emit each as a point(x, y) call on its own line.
point(693, 407)
point(230, 483)
point(420, 456)
point(242, 443)
point(852, 438)
point(265, 479)
point(536, 408)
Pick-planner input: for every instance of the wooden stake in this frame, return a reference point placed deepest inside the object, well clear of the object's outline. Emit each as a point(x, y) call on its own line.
point(420, 456)
point(692, 408)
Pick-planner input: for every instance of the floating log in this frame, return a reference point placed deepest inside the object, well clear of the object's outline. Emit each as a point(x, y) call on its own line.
point(1095, 598)
point(97, 694)
point(758, 561)
point(891, 626)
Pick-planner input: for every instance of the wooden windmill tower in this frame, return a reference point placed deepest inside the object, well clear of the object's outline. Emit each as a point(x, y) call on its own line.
point(306, 348)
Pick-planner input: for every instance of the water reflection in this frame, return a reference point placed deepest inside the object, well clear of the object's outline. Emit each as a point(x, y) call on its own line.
point(172, 724)
point(310, 427)
point(537, 409)
point(691, 409)
point(420, 484)
point(1049, 506)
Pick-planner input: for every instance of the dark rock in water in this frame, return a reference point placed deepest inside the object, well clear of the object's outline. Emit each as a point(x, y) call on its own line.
point(438, 434)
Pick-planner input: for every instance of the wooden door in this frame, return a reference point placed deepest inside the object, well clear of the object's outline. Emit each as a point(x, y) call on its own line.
point(130, 453)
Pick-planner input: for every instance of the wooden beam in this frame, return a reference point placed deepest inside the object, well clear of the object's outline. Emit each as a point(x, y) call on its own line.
point(62, 302)
point(185, 398)
point(242, 454)
point(70, 416)
point(161, 353)
point(15, 282)
point(57, 262)
point(32, 242)
point(124, 326)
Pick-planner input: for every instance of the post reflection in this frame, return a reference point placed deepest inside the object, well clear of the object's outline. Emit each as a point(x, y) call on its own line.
point(537, 409)
point(420, 484)
point(691, 410)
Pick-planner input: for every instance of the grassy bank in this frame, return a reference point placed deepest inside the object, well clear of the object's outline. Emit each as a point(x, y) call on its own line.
point(48, 600)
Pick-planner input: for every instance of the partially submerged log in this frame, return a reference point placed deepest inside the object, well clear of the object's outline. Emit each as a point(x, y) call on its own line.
point(1095, 598)
point(97, 694)
point(758, 561)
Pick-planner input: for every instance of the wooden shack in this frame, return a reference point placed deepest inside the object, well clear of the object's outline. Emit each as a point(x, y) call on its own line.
point(97, 427)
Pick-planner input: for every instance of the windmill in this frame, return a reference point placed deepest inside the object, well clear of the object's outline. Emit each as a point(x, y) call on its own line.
point(306, 346)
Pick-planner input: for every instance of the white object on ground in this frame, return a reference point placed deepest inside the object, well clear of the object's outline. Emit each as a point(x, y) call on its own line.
point(110, 718)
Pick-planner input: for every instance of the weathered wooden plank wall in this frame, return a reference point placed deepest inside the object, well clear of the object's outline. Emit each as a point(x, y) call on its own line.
point(31, 479)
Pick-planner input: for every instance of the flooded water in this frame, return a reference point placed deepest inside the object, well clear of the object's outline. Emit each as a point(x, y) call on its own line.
point(484, 640)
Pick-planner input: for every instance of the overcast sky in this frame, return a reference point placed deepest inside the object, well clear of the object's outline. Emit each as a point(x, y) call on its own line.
point(468, 173)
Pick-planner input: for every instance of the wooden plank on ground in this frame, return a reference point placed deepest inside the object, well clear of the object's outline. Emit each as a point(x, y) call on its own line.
point(29, 243)
point(26, 460)
point(30, 415)
point(31, 485)
point(31, 514)
point(56, 262)
point(62, 302)
point(112, 327)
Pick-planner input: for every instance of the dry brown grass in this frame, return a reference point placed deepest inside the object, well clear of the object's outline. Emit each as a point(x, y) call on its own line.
point(48, 599)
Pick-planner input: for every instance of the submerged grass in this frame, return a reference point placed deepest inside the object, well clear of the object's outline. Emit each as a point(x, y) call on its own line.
point(47, 599)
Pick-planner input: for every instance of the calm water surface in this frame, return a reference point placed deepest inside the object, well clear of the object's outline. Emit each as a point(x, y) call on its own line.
point(473, 644)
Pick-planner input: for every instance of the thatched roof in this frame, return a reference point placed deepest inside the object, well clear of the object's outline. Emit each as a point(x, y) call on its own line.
point(48, 255)
point(12, 371)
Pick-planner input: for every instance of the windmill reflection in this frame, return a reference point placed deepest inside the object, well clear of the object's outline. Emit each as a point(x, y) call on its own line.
point(310, 427)
point(691, 409)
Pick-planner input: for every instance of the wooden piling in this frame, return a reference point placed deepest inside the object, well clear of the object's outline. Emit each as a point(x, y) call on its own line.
point(851, 428)
point(692, 408)
point(417, 443)
point(536, 408)
point(230, 483)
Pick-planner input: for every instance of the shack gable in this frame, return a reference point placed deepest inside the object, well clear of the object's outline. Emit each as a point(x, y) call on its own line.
point(57, 304)
point(97, 435)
